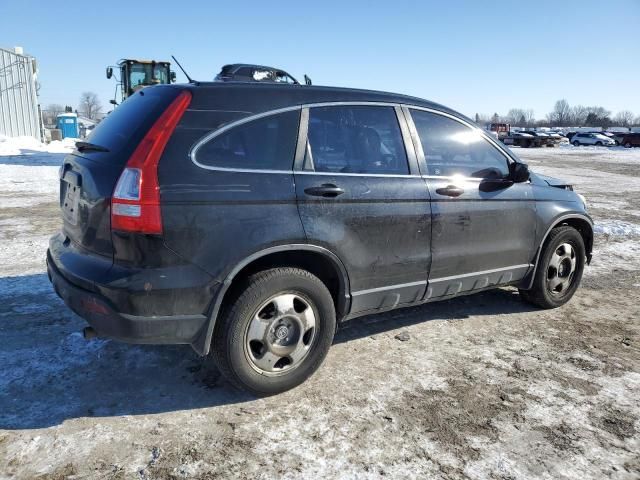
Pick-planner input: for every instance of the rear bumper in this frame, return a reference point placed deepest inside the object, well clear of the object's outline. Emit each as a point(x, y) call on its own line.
point(133, 307)
point(126, 328)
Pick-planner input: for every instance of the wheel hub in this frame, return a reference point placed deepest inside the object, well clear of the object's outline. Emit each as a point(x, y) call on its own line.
point(280, 334)
point(561, 269)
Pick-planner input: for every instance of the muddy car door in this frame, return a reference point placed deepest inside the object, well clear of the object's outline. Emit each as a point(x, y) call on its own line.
point(483, 223)
point(360, 195)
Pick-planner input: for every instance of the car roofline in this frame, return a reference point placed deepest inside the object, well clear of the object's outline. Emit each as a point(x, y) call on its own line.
point(390, 97)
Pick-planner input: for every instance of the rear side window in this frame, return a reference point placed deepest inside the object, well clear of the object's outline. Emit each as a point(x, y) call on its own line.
point(267, 143)
point(355, 139)
point(452, 148)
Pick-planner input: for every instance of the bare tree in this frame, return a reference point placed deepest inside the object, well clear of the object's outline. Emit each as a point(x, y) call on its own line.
point(561, 113)
point(55, 108)
point(50, 113)
point(521, 117)
point(636, 122)
point(624, 118)
point(598, 117)
point(515, 116)
point(90, 105)
point(579, 115)
point(482, 118)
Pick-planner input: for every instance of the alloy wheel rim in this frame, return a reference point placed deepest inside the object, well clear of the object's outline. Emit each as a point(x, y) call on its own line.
point(561, 269)
point(280, 334)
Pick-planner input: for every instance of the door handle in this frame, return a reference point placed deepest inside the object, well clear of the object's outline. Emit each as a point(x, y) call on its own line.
point(326, 190)
point(450, 191)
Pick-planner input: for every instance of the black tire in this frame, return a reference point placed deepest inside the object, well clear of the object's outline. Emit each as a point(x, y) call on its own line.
point(627, 145)
point(598, 144)
point(540, 294)
point(230, 337)
point(576, 143)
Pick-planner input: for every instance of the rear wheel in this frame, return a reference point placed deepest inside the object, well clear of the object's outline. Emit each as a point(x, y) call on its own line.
point(277, 331)
point(627, 145)
point(559, 270)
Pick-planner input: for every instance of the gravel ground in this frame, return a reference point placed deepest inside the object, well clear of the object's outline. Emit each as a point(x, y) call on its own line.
point(482, 386)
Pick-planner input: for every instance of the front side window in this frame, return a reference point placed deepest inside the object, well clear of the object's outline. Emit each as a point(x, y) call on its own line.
point(454, 149)
point(267, 143)
point(355, 139)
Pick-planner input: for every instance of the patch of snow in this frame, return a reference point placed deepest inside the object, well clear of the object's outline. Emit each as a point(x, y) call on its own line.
point(566, 150)
point(30, 146)
point(616, 228)
point(27, 185)
point(614, 255)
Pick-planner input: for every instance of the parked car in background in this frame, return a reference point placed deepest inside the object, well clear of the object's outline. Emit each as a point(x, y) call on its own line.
point(629, 140)
point(521, 139)
point(543, 139)
point(249, 219)
point(596, 139)
point(558, 137)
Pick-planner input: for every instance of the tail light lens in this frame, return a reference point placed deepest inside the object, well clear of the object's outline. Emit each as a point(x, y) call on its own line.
point(135, 203)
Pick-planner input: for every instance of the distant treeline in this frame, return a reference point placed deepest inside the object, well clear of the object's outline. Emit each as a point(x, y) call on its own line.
point(564, 115)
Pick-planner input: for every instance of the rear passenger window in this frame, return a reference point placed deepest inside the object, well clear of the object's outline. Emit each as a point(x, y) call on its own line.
point(451, 148)
point(267, 143)
point(355, 139)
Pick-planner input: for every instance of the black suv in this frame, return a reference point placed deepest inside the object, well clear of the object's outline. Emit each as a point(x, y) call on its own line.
point(249, 219)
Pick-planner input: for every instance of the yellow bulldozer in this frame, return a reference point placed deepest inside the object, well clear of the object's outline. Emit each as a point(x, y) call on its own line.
point(137, 74)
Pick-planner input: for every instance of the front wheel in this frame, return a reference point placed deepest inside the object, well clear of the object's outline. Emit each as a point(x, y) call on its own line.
point(576, 143)
point(598, 144)
point(559, 270)
point(627, 145)
point(276, 333)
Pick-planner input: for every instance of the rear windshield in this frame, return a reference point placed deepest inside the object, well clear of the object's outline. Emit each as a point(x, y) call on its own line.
point(124, 127)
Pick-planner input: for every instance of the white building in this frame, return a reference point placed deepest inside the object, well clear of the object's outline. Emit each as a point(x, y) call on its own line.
point(19, 110)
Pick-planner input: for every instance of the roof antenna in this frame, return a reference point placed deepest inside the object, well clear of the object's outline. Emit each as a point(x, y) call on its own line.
point(183, 70)
point(307, 80)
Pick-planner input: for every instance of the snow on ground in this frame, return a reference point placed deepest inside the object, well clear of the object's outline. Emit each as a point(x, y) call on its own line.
point(486, 386)
point(603, 154)
point(610, 227)
point(29, 146)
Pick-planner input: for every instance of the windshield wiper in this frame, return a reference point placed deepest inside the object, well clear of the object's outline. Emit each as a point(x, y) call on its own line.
point(86, 146)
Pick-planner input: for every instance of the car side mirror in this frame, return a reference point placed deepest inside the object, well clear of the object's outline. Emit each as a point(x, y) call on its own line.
point(519, 172)
point(109, 72)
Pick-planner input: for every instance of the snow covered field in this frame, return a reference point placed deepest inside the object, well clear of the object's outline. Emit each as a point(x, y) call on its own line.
point(485, 387)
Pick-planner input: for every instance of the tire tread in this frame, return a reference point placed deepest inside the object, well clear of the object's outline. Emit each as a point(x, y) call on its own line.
point(251, 293)
point(536, 295)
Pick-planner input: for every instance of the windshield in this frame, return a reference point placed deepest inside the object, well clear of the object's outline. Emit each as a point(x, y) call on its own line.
point(144, 74)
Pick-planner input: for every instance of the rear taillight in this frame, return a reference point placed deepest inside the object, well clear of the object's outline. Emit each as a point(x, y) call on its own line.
point(135, 204)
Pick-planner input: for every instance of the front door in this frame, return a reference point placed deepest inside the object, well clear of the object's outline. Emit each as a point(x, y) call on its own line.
point(483, 225)
point(360, 195)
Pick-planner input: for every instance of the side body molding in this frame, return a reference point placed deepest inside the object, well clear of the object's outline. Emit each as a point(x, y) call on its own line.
point(203, 344)
point(527, 282)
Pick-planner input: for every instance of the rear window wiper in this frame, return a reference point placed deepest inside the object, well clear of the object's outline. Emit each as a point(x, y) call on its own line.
point(86, 146)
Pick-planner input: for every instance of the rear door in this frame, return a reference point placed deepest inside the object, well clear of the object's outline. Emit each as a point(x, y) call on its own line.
point(235, 196)
point(88, 175)
point(360, 195)
point(483, 226)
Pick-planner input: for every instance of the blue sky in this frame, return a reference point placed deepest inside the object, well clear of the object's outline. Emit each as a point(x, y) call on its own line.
point(474, 56)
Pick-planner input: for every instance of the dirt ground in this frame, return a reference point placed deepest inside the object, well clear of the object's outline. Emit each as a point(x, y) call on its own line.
point(485, 387)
